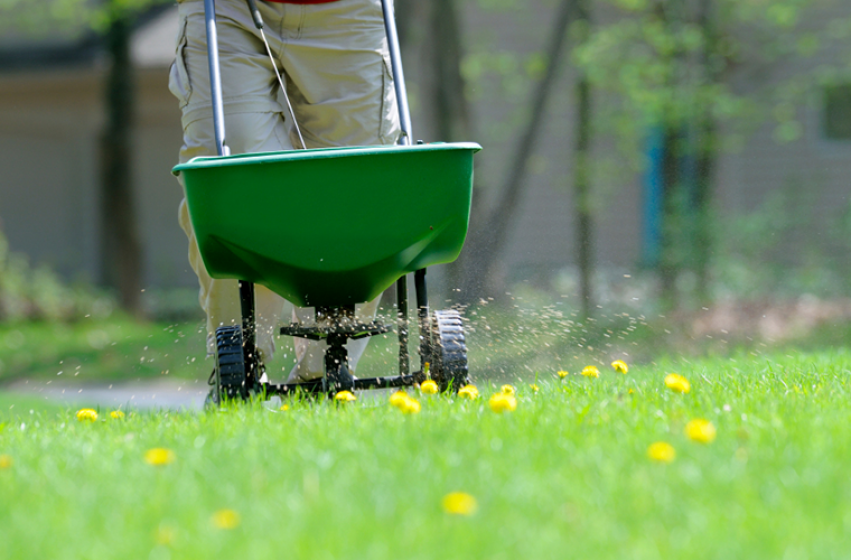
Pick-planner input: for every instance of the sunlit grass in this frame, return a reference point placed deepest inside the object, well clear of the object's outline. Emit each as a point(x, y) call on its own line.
point(566, 474)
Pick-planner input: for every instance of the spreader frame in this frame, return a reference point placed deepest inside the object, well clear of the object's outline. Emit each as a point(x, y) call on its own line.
point(336, 322)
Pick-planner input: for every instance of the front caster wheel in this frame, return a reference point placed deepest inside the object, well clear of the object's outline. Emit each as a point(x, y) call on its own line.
point(449, 350)
point(231, 378)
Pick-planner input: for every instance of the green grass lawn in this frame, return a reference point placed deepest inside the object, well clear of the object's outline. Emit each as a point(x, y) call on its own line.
point(100, 350)
point(566, 475)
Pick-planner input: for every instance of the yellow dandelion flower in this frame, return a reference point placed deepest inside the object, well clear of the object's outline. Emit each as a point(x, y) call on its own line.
point(428, 387)
point(563, 373)
point(345, 396)
point(459, 503)
point(5, 462)
point(677, 383)
point(397, 398)
point(591, 371)
point(165, 535)
point(502, 402)
point(701, 430)
point(427, 370)
point(409, 406)
point(403, 402)
point(226, 519)
point(620, 366)
point(284, 408)
point(534, 388)
point(631, 391)
point(507, 390)
point(87, 414)
point(662, 452)
point(116, 414)
point(468, 392)
point(159, 456)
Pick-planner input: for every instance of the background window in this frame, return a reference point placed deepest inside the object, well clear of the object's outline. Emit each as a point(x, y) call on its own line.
point(836, 118)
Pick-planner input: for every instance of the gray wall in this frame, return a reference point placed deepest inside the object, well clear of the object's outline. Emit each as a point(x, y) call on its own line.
point(50, 125)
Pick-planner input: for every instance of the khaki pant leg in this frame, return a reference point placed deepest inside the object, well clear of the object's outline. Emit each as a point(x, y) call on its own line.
point(220, 298)
point(253, 123)
point(338, 64)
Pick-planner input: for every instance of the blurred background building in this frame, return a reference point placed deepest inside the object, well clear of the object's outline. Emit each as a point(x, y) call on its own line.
point(52, 121)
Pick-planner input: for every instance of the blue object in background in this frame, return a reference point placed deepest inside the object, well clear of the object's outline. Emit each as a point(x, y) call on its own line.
point(654, 191)
point(651, 241)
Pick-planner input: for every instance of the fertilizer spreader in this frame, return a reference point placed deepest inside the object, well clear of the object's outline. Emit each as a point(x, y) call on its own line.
point(337, 227)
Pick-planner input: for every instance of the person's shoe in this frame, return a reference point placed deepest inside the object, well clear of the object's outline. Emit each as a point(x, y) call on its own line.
point(346, 379)
point(211, 401)
point(261, 369)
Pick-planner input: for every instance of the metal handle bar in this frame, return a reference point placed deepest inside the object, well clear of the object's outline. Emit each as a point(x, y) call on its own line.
point(216, 77)
point(398, 74)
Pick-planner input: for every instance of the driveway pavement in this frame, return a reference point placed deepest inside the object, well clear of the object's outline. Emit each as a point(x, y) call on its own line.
point(186, 395)
point(164, 394)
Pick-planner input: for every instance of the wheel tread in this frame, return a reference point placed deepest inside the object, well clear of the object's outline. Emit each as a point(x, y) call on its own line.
point(449, 351)
point(230, 361)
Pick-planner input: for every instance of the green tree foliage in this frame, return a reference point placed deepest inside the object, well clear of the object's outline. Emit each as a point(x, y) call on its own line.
point(66, 19)
point(670, 66)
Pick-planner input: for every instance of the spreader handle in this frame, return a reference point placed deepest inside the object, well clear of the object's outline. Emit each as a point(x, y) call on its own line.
point(215, 77)
point(398, 74)
point(255, 14)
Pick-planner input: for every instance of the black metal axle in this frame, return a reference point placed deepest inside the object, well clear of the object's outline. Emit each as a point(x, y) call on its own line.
point(315, 386)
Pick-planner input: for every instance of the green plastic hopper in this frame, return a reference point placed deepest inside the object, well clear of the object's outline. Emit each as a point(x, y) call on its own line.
point(332, 226)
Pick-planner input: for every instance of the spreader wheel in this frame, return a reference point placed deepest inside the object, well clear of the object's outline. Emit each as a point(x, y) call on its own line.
point(449, 350)
point(230, 363)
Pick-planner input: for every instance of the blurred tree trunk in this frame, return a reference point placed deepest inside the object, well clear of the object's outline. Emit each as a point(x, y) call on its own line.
point(581, 181)
point(707, 150)
point(121, 251)
point(669, 13)
point(687, 231)
point(487, 241)
point(451, 110)
point(669, 258)
point(404, 12)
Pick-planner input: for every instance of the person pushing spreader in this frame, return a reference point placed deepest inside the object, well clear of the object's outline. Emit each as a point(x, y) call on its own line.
point(297, 215)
